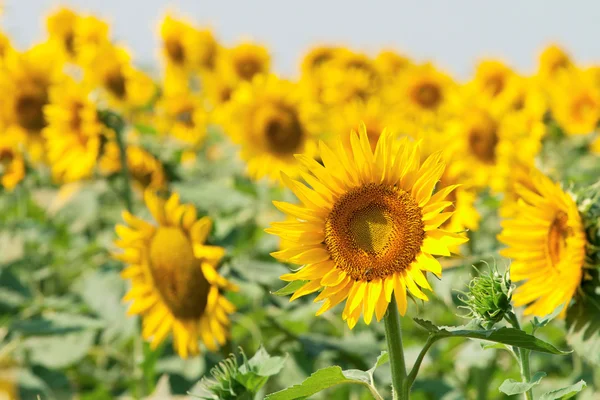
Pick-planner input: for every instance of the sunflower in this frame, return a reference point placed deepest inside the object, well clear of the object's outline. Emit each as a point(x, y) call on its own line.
point(12, 163)
point(484, 146)
point(426, 95)
point(5, 47)
point(575, 104)
point(392, 64)
point(110, 68)
point(341, 86)
point(91, 35)
point(61, 27)
point(272, 121)
point(74, 134)
point(175, 285)
point(186, 48)
point(317, 58)
point(245, 61)
point(145, 169)
point(546, 242)
point(374, 114)
point(182, 115)
point(491, 79)
point(368, 227)
point(553, 62)
point(25, 82)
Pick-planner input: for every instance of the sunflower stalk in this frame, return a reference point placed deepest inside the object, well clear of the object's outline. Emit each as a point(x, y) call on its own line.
point(393, 334)
point(117, 124)
point(523, 356)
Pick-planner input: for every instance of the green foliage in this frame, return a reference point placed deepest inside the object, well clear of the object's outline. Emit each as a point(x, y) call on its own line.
point(511, 387)
point(564, 393)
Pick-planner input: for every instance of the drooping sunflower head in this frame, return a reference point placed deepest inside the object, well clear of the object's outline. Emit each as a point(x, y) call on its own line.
point(368, 226)
point(546, 242)
point(175, 284)
point(247, 60)
point(272, 121)
point(74, 133)
point(553, 62)
point(61, 26)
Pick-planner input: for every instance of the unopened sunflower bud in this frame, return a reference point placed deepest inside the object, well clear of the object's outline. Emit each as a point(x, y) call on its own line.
point(489, 297)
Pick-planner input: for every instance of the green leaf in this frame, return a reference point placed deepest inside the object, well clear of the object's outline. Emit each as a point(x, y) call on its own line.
point(383, 358)
point(542, 322)
point(564, 393)
point(583, 323)
point(512, 387)
point(289, 288)
point(318, 381)
point(56, 324)
point(59, 351)
point(509, 336)
point(265, 365)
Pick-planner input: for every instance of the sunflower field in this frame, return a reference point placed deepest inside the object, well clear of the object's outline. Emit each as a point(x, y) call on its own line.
point(370, 228)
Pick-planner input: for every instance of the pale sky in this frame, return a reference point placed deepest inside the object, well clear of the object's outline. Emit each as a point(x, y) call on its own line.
point(454, 34)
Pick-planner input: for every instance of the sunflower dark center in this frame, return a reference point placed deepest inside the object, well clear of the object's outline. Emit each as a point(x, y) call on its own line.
point(30, 110)
point(495, 84)
point(428, 95)
point(374, 231)
point(177, 275)
point(483, 139)
point(175, 50)
point(279, 128)
point(115, 83)
point(247, 67)
point(583, 106)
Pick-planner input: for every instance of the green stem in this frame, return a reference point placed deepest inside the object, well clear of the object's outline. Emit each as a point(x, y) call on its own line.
point(415, 370)
point(393, 334)
point(116, 123)
point(523, 357)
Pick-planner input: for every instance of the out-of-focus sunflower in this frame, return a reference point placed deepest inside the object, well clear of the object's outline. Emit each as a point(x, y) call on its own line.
point(5, 47)
point(12, 163)
point(9, 388)
point(484, 147)
point(186, 48)
point(341, 86)
point(491, 79)
point(317, 58)
point(25, 82)
point(553, 62)
point(125, 86)
point(74, 133)
point(547, 244)
point(272, 121)
point(245, 61)
point(426, 96)
point(465, 214)
point(218, 90)
point(369, 227)
point(175, 284)
point(91, 34)
point(392, 64)
point(61, 27)
point(374, 114)
point(146, 171)
point(575, 104)
point(182, 115)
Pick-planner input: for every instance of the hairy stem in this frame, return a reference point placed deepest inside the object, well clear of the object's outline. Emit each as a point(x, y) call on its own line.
point(393, 334)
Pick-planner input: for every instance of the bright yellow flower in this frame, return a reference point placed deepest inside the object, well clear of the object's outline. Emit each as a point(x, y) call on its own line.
point(272, 121)
point(369, 227)
point(186, 48)
point(392, 64)
point(12, 163)
point(5, 47)
point(74, 133)
point(61, 27)
point(491, 79)
point(25, 83)
point(245, 61)
point(125, 86)
point(426, 95)
point(341, 86)
point(484, 146)
point(575, 104)
point(145, 170)
point(546, 243)
point(9, 388)
point(91, 34)
point(317, 58)
point(182, 115)
point(374, 114)
point(175, 285)
point(553, 62)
